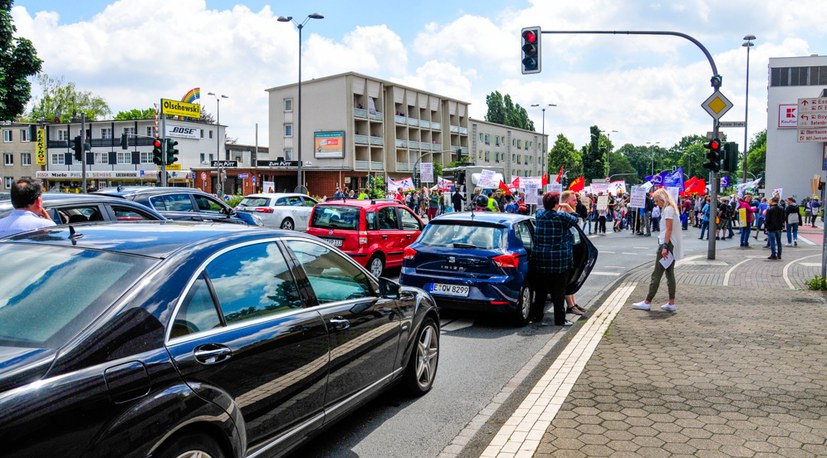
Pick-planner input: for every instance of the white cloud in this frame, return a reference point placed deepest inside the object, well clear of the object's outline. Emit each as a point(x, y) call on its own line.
point(369, 50)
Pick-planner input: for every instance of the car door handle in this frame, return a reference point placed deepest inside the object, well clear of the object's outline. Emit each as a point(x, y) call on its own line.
point(339, 324)
point(384, 237)
point(212, 354)
point(408, 236)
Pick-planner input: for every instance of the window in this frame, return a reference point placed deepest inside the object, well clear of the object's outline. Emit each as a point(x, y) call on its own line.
point(291, 201)
point(129, 131)
point(207, 205)
point(63, 135)
point(172, 203)
point(8, 159)
point(146, 157)
point(79, 214)
point(198, 312)
point(332, 277)
point(106, 133)
point(201, 158)
point(58, 159)
point(387, 219)
point(409, 221)
point(150, 131)
point(24, 135)
point(446, 235)
point(336, 217)
point(210, 134)
point(8, 182)
point(487, 156)
point(7, 136)
point(524, 234)
point(288, 154)
point(211, 157)
point(288, 104)
point(124, 157)
point(288, 130)
point(25, 158)
point(130, 214)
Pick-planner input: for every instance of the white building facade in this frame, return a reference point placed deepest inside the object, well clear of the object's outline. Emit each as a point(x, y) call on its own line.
point(518, 152)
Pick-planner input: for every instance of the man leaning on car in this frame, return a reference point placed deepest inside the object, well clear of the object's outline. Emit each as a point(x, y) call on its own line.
point(28, 213)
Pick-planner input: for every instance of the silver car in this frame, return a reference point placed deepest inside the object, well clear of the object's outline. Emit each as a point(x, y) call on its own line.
point(279, 210)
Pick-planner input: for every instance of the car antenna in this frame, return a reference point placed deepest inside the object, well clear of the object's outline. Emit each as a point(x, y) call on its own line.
point(73, 234)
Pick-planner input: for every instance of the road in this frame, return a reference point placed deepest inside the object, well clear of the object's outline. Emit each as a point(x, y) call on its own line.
point(479, 355)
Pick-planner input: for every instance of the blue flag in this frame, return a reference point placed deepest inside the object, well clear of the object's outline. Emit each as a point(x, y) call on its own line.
point(674, 179)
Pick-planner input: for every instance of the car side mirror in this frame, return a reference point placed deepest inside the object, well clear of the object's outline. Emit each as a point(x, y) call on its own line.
point(388, 289)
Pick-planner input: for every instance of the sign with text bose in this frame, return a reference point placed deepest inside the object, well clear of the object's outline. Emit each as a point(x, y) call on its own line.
point(183, 132)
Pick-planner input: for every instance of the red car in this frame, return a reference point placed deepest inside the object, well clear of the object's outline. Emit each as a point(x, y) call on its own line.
point(373, 232)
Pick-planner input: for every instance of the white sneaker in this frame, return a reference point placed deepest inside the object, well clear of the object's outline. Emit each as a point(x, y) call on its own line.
point(668, 307)
point(642, 305)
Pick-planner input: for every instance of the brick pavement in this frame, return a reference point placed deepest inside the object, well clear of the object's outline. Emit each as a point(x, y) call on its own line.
point(739, 370)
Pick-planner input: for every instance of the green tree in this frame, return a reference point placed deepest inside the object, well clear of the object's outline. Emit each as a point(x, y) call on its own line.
point(593, 156)
point(18, 61)
point(65, 101)
point(757, 154)
point(135, 113)
point(496, 108)
point(502, 110)
point(564, 154)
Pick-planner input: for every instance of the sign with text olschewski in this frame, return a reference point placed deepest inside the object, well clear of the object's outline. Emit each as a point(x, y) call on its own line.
point(329, 145)
point(178, 108)
point(40, 147)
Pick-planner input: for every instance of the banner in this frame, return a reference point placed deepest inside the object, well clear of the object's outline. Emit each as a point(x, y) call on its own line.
point(674, 179)
point(329, 145)
point(177, 108)
point(617, 187)
point(487, 179)
point(40, 147)
point(405, 184)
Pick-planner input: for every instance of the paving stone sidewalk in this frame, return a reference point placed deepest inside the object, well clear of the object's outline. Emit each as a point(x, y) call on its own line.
point(739, 370)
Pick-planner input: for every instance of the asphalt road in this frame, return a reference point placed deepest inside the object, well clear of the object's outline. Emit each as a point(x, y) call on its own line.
point(479, 354)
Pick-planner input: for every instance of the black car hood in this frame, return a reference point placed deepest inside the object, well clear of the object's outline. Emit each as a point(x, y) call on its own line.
point(22, 365)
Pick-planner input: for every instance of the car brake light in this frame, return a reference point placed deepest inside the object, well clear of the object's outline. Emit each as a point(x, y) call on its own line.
point(363, 237)
point(506, 260)
point(264, 209)
point(499, 302)
point(408, 254)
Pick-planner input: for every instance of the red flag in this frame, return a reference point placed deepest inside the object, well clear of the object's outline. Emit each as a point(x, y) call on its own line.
point(515, 184)
point(578, 184)
point(503, 186)
point(544, 181)
point(559, 174)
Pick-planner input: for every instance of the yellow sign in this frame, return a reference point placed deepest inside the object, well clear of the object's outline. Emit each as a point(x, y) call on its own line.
point(716, 105)
point(175, 166)
point(40, 147)
point(178, 108)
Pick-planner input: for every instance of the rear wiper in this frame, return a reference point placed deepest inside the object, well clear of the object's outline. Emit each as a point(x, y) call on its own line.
point(463, 245)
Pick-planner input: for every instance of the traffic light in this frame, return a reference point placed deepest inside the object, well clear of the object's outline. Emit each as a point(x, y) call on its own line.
point(157, 152)
point(713, 156)
point(124, 141)
point(77, 147)
point(531, 50)
point(172, 153)
point(730, 162)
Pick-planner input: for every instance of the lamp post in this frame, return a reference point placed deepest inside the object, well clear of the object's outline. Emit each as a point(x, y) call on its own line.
point(609, 137)
point(218, 136)
point(300, 183)
point(653, 155)
point(747, 44)
point(545, 146)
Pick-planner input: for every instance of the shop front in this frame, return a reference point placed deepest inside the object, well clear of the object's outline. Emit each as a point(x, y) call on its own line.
point(71, 181)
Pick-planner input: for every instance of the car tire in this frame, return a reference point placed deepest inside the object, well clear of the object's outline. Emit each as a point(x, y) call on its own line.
point(190, 445)
point(421, 371)
point(288, 224)
point(376, 264)
point(523, 312)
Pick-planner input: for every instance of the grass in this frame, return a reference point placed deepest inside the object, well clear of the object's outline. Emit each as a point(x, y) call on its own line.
point(817, 283)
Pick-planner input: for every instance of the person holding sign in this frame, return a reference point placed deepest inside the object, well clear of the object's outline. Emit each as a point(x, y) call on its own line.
point(670, 249)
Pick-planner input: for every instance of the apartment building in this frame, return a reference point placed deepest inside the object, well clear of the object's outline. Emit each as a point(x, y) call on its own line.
point(17, 147)
point(519, 152)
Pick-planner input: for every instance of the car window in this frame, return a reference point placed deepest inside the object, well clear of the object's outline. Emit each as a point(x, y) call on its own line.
point(197, 313)
point(575, 234)
point(409, 221)
point(75, 214)
point(281, 202)
point(332, 277)
point(253, 281)
point(308, 202)
point(130, 214)
point(462, 235)
point(523, 233)
point(172, 203)
point(208, 205)
point(294, 201)
point(336, 217)
point(254, 202)
point(387, 218)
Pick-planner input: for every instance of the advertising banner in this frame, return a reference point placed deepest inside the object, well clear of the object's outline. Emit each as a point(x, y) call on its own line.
point(329, 145)
point(183, 132)
point(40, 147)
point(178, 108)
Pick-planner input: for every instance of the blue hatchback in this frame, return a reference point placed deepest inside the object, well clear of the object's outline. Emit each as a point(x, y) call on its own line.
point(478, 261)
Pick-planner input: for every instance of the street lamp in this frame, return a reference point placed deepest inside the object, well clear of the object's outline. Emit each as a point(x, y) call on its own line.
point(299, 183)
point(217, 135)
point(609, 137)
point(545, 147)
point(653, 155)
point(747, 44)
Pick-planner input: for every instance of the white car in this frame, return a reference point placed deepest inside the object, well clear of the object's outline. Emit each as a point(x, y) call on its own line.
point(279, 210)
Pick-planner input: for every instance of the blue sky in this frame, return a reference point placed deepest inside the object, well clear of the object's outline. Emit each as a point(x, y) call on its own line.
point(649, 89)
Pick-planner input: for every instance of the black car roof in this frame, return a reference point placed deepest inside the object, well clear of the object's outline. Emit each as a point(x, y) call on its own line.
point(52, 199)
point(486, 217)
point(149, 238)
point(132, 190)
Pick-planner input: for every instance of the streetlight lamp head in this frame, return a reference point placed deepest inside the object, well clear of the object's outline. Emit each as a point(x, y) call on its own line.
point(749, 37)
point(224, 96)
point(535, 104)
point(316, 16)
point(285, 18)
point(747, 44)
point(210, 93)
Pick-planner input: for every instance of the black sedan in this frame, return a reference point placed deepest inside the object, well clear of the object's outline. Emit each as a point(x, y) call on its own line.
point(182, 339)
point(82, 208)
point(183, 204)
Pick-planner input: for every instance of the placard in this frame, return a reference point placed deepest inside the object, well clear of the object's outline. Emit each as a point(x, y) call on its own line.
point(531, 193)
point(426, 172)
point(638, 199)
point(487, 180)
point(602, 203)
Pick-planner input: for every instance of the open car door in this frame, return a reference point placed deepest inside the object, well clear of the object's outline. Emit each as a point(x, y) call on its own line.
point(585, 256)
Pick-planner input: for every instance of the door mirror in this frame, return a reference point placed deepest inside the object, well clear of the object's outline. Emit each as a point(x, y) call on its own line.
point(388, 289)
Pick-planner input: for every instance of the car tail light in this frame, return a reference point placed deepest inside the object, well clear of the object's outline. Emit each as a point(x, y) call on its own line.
point(264, 209)
point(499, 302)
point(506, 260)
point(363, 237)
point(408, 254)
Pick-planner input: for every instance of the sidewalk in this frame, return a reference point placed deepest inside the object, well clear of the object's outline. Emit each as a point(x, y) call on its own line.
point(739, 370)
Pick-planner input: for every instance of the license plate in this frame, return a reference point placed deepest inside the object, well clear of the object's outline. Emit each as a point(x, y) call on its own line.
point(334, 242)
point(449, 290)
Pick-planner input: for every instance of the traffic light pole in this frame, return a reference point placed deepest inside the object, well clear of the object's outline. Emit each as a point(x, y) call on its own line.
point(163, 146)
point(83, 151)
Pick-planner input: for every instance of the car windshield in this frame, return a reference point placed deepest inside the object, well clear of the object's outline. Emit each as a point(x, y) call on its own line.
point(336, 217)
point(462, 236)
point(48, 294)
point(254, 202)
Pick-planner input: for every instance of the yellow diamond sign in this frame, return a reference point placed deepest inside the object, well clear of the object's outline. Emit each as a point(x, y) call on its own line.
point(716, 105)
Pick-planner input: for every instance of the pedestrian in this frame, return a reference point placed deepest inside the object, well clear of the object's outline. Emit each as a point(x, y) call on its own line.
point(551, 258)
point(656, 218)
point(433, 205)
point(724, 217)
point(793, 219)
point(510, 206)
point(570, 198)
point(28, 213)
point(583, 210)
point(456, 200)
point(705, 211)
point(775, 224)
point(745, 215)
point(647, 217)
point(762, 207)
point(815, 206)
point(670, 249)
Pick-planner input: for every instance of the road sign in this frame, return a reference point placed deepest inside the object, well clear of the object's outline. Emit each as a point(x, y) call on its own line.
point(812, 119)
point(142, 173)
point(716, 105)
point(812, 104)
point(812, 135)
point(725, 124)
point(203, 176)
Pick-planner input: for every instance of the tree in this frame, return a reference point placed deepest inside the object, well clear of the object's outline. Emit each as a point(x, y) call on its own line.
point(135, 113)
point(757, 154)
point(18, 61)
point(563, 154)
point(593, 156)
point(64, 101)
point(496, 108)
point(502, 110)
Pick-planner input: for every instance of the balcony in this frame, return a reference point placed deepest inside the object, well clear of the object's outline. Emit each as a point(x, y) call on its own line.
point(376, 116)
point(436, 146)
point(424, 123)
point(413, 145)
point(403, 167)
point(454, 129)
point(378, 141)
point(360, 113)
point(436, 126)
point(375, 166)
point(401, 143)
point(360, 139)
point(399, 119)
point(463, 131)
point(412, 122)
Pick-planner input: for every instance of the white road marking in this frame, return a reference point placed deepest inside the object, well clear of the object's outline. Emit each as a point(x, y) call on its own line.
point(632, 254)
point(789, 264)
point(811, 264)
point(456, 325)
point(615, 267)
point(807, 241)
point(607, 274)
point(728, 272)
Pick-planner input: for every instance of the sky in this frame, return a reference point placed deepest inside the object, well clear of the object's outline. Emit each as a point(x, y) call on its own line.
point(647, 88)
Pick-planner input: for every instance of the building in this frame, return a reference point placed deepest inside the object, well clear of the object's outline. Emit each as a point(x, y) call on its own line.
point(109, 164)
point(795, 156)
point(518, 152)
point(236, 170)
point(354, 125)
point(17, 148)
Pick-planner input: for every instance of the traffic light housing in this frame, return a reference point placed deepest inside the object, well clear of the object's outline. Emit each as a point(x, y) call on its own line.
point(172, 152)
point(530, 47)
point(713, 156)
point(77, 147)
point(157, 152)
point(730, 159)
point(124, 141)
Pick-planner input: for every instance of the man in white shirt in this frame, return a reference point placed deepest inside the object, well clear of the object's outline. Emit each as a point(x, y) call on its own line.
point(28, 213)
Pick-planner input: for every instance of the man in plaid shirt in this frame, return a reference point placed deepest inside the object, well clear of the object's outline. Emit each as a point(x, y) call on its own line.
point(551, 257)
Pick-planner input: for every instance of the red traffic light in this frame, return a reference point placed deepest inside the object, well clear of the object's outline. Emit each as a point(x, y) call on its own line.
point(530, 37)
point(156, 143)
point(714, 144)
